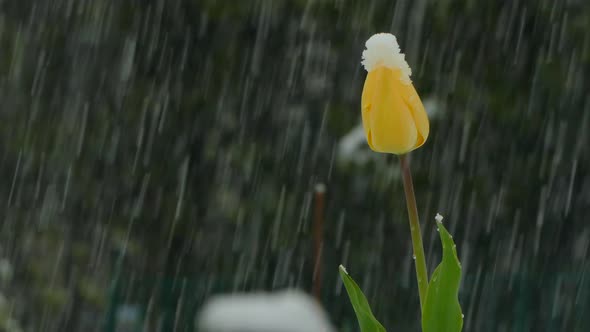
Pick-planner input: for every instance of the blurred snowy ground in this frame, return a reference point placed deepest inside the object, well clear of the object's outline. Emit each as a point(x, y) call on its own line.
point(285, 311)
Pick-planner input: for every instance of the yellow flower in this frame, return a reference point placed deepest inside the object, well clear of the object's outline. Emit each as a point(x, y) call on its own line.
point(394, 118)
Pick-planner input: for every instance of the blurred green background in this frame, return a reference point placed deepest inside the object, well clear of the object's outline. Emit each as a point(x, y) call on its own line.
point(157, 152)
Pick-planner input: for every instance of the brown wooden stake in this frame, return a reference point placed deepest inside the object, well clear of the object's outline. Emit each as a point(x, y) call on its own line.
point(318, 238)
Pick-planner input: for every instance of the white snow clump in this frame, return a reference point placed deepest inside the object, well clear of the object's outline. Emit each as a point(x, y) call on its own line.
point(438, 217)
point(383, 50)
point(287, 311)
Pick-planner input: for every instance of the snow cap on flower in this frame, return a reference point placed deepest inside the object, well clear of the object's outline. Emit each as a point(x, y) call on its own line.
point(383, 50)
point(438, 217)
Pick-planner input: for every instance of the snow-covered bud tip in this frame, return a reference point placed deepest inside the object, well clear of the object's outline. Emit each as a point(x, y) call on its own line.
point(438, 217)
point(343, 269)
point(383, 50)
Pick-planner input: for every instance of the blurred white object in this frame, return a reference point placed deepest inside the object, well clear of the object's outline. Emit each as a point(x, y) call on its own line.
point(6, 270)
point(128, 318)
point(285, 311)
point(433, 107)
point(353, 146)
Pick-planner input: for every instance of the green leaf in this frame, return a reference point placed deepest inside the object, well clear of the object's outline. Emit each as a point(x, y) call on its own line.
point(442, 311)
point(367, 321)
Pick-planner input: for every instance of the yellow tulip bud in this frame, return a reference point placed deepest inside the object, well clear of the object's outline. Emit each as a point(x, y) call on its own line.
point(394, 118)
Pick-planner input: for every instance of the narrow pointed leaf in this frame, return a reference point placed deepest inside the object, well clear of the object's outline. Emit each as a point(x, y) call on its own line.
point(442, 311)
point(367, 321)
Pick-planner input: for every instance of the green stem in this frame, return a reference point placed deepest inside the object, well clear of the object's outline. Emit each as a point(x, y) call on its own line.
point(420, 260)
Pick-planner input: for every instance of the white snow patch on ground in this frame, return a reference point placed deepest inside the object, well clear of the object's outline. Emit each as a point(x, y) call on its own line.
point(285, 311)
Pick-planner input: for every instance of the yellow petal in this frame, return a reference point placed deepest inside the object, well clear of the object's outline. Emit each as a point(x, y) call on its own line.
point(418, 113)
point(387, 117)
point(366, 100)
